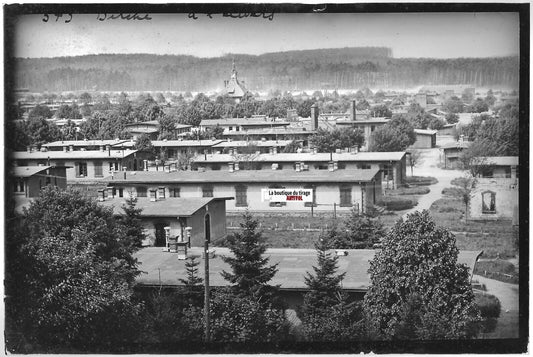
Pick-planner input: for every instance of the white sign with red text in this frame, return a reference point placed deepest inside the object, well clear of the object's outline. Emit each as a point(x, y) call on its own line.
point(286, 195)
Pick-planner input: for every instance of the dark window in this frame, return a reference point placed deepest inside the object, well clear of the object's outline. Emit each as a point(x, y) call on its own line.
point(346, 196)
point(98, 170)
point(113, 166)
point(341, 166)
point(364, 166)
point(121, 192)
point(488, 203)
point(81, 169)
point(240, 196)
point(141, 191)
point(47, 180)
point(19, 185)
point(508, 172)
point(321, 167)
point(372, 128)
point(309, 204)
point(174, 191)
point(487, 173)
point(207, 191)
point(388, 172)
point(215, 167)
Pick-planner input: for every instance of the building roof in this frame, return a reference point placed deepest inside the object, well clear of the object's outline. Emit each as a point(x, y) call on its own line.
point(242, 121)
point(272, 131)
point(426, 132)
point(497, 161)
point(77, 155)
point(143, 130)
point(170, 207)
point(185, 143)
point(308, 157)
point(149, 122)
point(182, 126)
point(456, 145)
point(28, 171)
point(363, 122)
point(84, 143)
point(163, 268)
point(241, 176)
point(240, 143)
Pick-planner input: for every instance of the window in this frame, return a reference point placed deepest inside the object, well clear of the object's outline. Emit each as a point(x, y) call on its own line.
point(19, 185)
point(488, 202)
point(113, 166)
point(230, 128)
point(207, 191)
point(120, 192)
point(341, 166)
point(81, 169)
point(240, 196)
point(174, 192)
point(364, 166)
point(141, 191)
point(346, 196)
point(215, 167)
point(321, 167)
point(372, 128)
point(388, 172)
point(508, 172)
point(98, 170)
point(309, 204)
point(487, 173)
point(47, 181)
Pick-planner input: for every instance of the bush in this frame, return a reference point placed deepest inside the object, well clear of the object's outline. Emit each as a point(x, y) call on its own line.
point(421, 180)
point(395, 203)
point(417, 190)
point(489, 306)
point(453, 192)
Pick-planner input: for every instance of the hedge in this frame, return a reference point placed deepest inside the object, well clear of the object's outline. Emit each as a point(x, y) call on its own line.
point(397, 203)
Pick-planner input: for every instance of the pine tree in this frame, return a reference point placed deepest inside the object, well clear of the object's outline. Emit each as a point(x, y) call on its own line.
point(191, 265)
point(250, 272)
point(131, 220)
point(326, 313)
point(324, 285)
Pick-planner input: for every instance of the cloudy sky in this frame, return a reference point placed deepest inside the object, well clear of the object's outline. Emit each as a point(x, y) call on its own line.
point(437, 35)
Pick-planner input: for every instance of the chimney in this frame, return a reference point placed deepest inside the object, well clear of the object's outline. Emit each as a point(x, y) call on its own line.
point(331, 166)
point(353, 114)
point(274, 166)
point(298, 167)
point(263, 139)
point(71, 147)
point(101, 194)
point(231, 166)
point(28, 148)
point(102, 148)
point(161, 193)
point(108, 148)
point(270, 150)
point(145, 165)
point(153, 195)
point(274, 150)
point(124, 175)
point(237, 168)
point(461, 138)
point(314, 117)
point(335, 165)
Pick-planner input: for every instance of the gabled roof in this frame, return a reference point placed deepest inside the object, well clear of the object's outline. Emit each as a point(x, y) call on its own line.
point(240, 143)
point(84, 143)
point(185, 143)
point(28, 171)
point(163, 268)
point(242, 176)
point(308, 157)
point(77, 155)
point(457, 145)
point(170, 207)
point(243, 121)
point(497, 161)
point(426, 132)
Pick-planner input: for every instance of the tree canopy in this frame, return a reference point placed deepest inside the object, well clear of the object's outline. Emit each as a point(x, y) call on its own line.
point(330, 140)
point(418, 290)
point(396, 135)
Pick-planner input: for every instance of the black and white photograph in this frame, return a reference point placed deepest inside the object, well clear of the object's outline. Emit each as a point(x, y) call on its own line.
point(266, 178)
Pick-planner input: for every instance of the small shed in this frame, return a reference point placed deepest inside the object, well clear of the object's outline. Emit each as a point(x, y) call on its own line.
point(425, 139)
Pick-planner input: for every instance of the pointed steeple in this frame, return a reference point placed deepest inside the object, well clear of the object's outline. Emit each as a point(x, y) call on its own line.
point(233, 70)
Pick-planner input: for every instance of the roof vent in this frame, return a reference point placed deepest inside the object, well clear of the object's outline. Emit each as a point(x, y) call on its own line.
point(341, 253)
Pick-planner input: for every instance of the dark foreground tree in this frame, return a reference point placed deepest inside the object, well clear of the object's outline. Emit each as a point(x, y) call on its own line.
point(71, 272)
point(250, 270)
point(131, 220)
point(418, 291)
point(326, 313)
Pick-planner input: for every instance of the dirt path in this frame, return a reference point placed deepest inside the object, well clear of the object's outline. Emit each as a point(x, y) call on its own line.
point(428, 167)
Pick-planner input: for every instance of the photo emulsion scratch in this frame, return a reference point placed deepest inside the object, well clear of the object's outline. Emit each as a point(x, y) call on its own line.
point(263, 178)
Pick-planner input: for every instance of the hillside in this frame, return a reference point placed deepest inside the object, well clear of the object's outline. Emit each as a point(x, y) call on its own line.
point(342, 68)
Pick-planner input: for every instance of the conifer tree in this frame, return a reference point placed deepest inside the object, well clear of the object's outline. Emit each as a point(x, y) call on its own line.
point(191, 265)
point(250, 270)
point(131, 220)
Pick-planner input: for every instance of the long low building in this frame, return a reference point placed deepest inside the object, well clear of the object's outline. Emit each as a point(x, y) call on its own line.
point(340, 189)
point(392, 164)
point(162, 269)
point(86, 164)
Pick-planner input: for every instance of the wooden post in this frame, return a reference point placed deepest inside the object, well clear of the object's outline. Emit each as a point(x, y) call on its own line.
point(334, 210)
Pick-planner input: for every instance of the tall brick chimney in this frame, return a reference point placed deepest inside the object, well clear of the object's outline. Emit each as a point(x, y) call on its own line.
point(314, 117)
point(353, 114)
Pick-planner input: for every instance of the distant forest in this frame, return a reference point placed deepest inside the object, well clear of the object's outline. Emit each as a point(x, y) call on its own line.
point(342, 68)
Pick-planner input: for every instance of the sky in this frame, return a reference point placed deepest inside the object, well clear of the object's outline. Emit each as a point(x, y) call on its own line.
point(435, 35)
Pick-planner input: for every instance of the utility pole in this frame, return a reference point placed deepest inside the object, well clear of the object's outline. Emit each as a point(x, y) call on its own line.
point(207, 230)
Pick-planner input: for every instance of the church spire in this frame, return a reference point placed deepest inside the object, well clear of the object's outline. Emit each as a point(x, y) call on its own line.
point(233, 70)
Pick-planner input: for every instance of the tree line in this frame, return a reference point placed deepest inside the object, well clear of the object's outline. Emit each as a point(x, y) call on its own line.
point(326, 69)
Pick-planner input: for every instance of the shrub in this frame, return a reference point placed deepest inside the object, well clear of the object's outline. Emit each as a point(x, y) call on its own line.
point(395, 203)
point(417, 190)
point(421, 180)
point(489, 306)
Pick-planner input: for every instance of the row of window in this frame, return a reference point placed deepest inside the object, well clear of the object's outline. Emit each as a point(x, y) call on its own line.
point(81, 168)
point(241, 195)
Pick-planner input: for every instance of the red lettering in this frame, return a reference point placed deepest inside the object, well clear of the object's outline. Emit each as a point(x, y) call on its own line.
point(294, 198)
